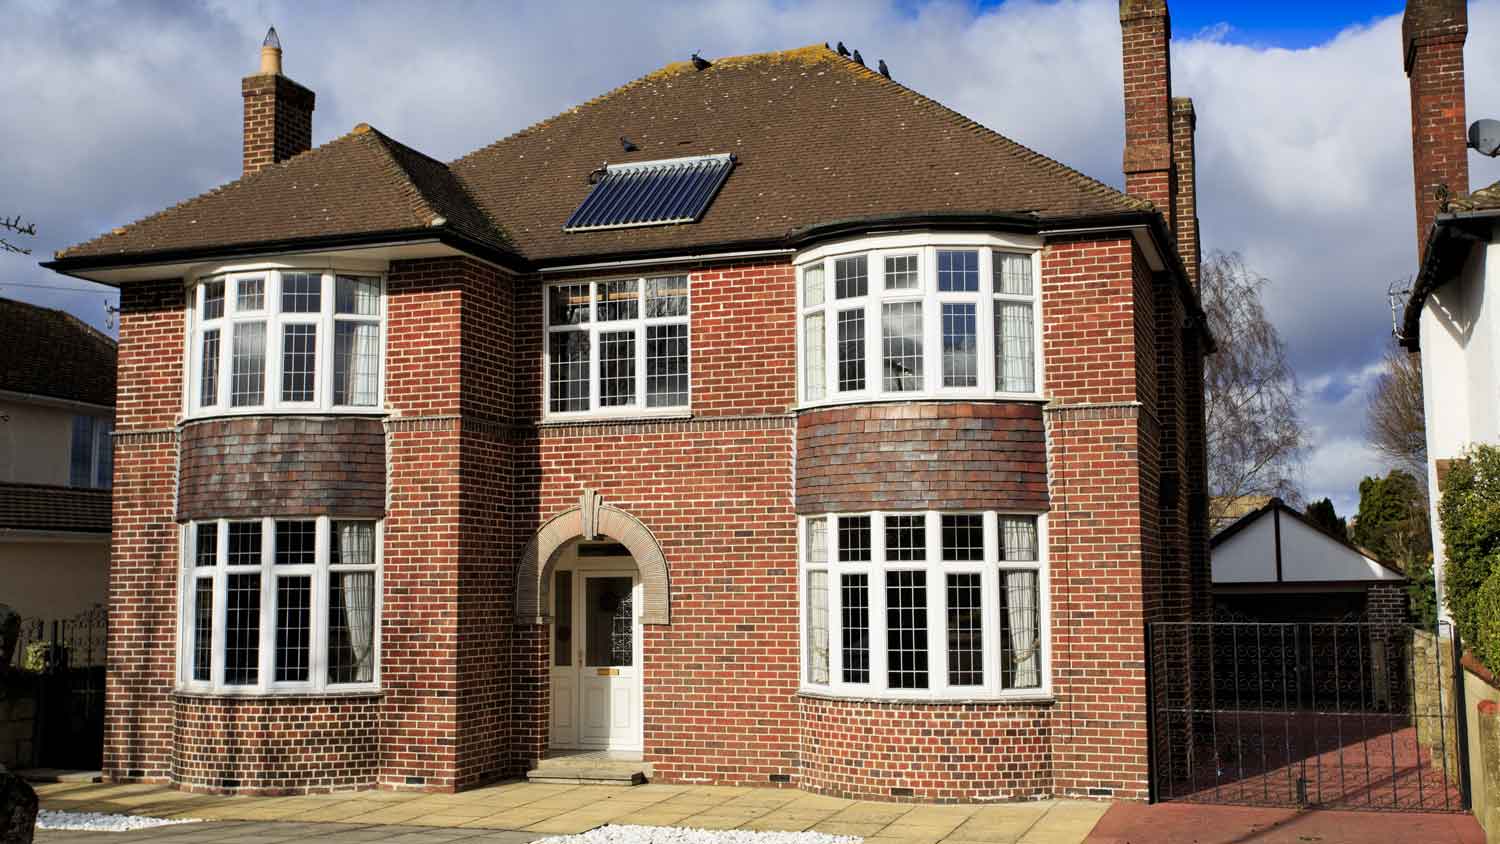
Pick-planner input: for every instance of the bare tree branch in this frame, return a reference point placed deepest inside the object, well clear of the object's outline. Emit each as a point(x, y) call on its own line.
point(1253, 400)
point(17, 225)
point(1396, 422)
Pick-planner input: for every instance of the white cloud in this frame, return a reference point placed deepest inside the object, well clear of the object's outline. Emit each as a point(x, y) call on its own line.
point(116, 110)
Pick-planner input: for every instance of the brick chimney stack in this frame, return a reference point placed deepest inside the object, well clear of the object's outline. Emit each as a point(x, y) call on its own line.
point(1146, 34)
point(1160, 162)
point(1432, 38)
point(278, 112)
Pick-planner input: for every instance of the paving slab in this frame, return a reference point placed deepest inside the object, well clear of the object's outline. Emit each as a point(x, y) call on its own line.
point(511, 813)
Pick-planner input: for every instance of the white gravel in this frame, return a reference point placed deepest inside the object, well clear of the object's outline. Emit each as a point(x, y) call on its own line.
point(100, 822)
point(684, 835)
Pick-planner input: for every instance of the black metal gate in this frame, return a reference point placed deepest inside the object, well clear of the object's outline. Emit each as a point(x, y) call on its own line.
point(66, 658)
point(1347, 715)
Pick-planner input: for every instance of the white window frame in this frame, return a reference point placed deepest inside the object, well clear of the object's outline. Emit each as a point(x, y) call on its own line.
point(989, 568)
point(925, 246)
point(594, 328)
point(266, 684)
point(325, 319)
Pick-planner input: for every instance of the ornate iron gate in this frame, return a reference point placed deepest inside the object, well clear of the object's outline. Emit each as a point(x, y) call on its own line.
point(66, 658)
point(1348, 715)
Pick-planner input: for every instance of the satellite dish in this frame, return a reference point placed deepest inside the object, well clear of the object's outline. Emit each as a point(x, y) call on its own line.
point(1484, 135)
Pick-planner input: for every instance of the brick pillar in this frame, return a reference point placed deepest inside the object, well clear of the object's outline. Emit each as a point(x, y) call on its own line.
point(1432, 38)
point(1185, 169)
point(138, 720)
point(278, 113)
point(1146, 34)
point(448, 642)
point(1098, 344)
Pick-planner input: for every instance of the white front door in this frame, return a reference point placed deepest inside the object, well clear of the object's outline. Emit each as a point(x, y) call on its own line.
point(596, 675)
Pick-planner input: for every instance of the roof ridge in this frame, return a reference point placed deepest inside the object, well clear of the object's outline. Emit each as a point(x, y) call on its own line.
point(434, 213)
point(826, 55)
point(120, 230)
point(421, 205)
point(92, 331)
point(663, 72)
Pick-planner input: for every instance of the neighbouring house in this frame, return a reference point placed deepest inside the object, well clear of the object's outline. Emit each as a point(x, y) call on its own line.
point(1449, 318)
point(762, 420)
point(1274, 565)
point(57, 409)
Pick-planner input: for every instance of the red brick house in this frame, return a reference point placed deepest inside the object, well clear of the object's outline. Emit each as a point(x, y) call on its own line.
point(814, 436)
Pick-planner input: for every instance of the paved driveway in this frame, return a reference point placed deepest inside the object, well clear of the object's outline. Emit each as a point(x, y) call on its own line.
point(538, 810)
point(1187, 823)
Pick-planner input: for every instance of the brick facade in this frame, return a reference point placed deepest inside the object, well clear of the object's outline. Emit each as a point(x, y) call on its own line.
point(464, 468)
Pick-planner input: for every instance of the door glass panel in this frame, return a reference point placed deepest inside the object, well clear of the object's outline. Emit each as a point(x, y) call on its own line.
point(562, 619)
point(609, 625)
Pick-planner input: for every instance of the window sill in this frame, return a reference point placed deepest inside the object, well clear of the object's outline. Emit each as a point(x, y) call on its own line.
point(557, 420)
point(926, 398)
point(1029, 696)
point(276, 694)
point(373, 412)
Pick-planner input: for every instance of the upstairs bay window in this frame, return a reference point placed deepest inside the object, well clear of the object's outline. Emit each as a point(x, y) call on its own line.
point(925, 605)
point(617, 347)
point(279, 340)
point(278, 604)
point(916, 319)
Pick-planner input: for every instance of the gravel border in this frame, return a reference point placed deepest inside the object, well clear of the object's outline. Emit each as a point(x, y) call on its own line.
point(627, 834)
point(100, 821)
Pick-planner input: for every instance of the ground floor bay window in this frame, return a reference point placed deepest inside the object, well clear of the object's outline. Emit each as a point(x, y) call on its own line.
point(279, 605)
point(925, 605)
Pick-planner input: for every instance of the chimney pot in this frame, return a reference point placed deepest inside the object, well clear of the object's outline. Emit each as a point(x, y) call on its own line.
point(270, 53)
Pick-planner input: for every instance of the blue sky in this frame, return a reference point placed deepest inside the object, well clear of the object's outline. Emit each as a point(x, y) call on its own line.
point(117, 109)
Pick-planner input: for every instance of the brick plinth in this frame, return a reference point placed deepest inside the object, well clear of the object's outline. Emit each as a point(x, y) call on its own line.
point(929, 752)
point(279, 745)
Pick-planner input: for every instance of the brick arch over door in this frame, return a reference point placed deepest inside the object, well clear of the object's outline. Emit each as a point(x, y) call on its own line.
point(532, 592)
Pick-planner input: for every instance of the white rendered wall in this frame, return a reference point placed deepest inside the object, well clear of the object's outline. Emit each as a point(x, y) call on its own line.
point(1460, 335)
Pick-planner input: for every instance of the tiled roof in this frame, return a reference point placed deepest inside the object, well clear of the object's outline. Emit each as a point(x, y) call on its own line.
point(818, 139)
point(54, 508)
point(363, 182)
point(51, 353)
point(1484, 199)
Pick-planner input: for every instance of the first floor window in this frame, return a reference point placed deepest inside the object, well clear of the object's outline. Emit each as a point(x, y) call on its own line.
point(274, 604)
point(617, 346)
point(924, 604)
point(908, 321)
point(284, 340)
